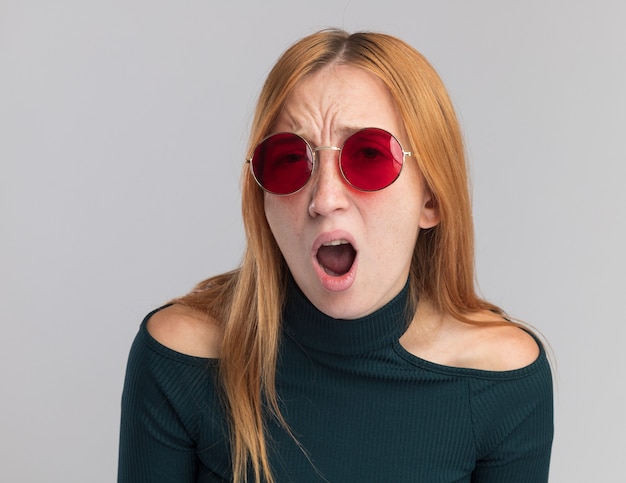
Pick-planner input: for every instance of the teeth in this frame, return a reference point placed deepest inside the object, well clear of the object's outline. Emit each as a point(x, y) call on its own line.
point(335, 243)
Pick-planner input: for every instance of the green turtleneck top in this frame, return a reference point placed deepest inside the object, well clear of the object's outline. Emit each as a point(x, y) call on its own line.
point(362, 408)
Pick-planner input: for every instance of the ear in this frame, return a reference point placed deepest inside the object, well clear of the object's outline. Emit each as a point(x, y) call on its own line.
point(429, 216)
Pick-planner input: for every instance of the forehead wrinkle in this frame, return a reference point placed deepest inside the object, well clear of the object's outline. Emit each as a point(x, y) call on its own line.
point(319, 114)
point(296, 116)
point(319, 126)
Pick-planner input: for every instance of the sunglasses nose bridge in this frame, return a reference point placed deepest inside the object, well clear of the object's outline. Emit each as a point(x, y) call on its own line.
point(316, 153)
point(317, 149)
point(325, 148)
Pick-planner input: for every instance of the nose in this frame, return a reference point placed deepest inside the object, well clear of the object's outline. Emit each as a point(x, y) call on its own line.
point(329, 188)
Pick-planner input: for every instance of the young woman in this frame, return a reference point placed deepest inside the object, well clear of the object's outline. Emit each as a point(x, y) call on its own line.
point(350, 345)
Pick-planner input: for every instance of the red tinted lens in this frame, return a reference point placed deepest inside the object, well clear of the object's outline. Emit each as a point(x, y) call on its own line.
point(371, 159)
point(282, 163)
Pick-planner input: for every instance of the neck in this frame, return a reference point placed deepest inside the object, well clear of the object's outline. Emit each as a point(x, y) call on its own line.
point(318, 331)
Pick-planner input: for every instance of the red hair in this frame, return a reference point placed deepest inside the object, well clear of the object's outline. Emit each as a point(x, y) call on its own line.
point(248, 301)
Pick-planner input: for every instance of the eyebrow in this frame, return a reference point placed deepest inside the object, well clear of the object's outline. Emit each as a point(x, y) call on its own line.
point(343, 131)
point(347, 130)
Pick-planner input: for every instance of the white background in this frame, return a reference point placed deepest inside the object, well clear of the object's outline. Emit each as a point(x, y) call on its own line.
point(122, 133)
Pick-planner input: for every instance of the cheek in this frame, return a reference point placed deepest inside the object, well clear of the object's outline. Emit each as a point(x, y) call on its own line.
point(274, 214)
point(397, 210)
point(283, 217)
point(398, 222)
point(401, 233)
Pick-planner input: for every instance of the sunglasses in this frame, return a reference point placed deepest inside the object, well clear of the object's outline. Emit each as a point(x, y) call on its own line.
point(370, 160)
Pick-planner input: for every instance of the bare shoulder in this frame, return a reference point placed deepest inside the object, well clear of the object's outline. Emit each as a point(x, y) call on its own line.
point(500, 346)
point(187, 331)
point(490, 343)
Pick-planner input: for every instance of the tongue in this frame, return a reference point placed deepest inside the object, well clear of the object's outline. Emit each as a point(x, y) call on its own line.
point(336, 260)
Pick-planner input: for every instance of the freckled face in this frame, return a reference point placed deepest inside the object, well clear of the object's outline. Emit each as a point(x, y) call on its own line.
point(349, 251)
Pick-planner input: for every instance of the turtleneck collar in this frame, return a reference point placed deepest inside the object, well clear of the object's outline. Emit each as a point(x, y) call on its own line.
point(316, 330)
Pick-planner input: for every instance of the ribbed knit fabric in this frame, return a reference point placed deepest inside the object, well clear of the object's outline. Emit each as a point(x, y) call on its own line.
point(363, 408)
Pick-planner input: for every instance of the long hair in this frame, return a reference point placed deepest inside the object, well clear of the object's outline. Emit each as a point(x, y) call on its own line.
point(248, 302)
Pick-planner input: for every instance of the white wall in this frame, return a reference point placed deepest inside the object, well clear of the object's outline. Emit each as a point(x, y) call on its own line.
point(122, 133)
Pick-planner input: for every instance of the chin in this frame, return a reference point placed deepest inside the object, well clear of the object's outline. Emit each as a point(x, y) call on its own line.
point(343, 306)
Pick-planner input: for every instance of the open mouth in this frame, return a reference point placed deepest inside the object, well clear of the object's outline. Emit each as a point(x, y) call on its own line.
point(336, 257)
